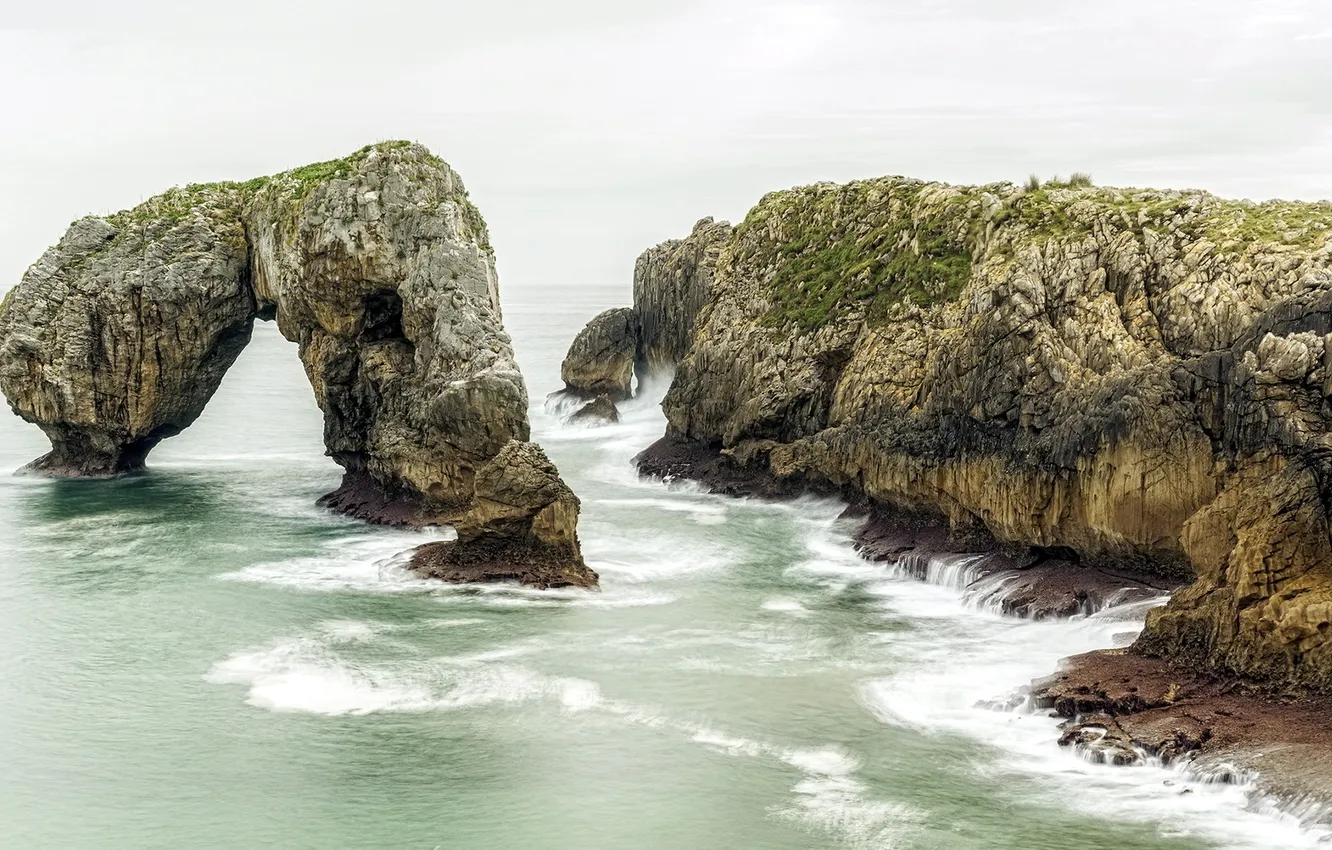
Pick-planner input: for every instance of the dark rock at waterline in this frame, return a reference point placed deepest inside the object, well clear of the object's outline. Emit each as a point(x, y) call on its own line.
point(361, 497)
point(673, 457)
point(1031, 582)
point(1120, 704)
point(521, 526)
point(1038, 583)
point(599, 411)
point(489, 561)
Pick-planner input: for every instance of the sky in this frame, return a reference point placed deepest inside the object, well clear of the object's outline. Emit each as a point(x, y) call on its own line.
point(588, 130)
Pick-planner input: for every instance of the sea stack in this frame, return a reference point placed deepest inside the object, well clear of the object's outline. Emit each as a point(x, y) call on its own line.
point(377, 265)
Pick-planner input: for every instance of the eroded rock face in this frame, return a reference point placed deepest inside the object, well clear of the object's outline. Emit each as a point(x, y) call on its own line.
point(601, 359)
point(522, 526)
point(1138, 377)
point(672, 283)
point(377, 265)
point(118, 336)
point(384, 276)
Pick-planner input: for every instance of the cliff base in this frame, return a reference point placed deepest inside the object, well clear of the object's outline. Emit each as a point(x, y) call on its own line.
point(1120, 705)
point(490, 560)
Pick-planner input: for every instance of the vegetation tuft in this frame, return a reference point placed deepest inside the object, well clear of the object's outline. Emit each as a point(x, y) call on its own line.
point(869, 245)
point(224, 202)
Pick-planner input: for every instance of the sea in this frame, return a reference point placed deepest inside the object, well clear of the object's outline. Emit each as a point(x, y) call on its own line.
point(200, 657)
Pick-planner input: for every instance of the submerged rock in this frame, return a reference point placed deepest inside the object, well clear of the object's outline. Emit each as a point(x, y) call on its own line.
point(522, 526)
point(599, 411)
point(1137, 378)
point(601, 359)
point(377, 265)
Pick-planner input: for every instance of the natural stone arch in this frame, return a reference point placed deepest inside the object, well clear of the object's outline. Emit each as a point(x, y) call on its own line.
point(377, 265)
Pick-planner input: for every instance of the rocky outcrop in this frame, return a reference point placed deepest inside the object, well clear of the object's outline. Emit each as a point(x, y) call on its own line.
point(377, 265)
point(1137, 379)
point(118, 336)
point(601, 359)
point(599, 411)
point(672, 284)
point(522, 526)
point(1120, 707)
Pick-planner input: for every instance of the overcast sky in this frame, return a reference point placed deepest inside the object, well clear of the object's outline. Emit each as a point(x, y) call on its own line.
point(588, 130)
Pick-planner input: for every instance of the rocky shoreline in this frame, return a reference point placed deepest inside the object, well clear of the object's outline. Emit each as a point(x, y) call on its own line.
point(1040, 582)
point(1119, 706)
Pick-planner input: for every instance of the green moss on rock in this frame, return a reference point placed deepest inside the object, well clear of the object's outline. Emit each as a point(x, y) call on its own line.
point(223, 204)
point(866, 246)
point(870, 247)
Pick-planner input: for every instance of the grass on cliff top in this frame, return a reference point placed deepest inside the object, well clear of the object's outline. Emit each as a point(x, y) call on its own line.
point(226, 199)
point(868, 245)
point(1065, 211)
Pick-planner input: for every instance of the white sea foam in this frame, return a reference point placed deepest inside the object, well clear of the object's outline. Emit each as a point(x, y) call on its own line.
point(977, 655)
point(310, 675)
point(945, 645)
point(785, 605)
point(368, 563)
point(826, 797)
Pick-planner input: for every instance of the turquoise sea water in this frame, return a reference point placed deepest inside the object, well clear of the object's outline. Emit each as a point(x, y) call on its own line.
point(200, 657)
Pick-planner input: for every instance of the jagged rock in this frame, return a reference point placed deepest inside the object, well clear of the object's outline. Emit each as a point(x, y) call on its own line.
point(599, 411)
point(601, 359)
point(118, 336)
point(377, 265)
point(1136, 377)
point(672, 283)
point(522, 526)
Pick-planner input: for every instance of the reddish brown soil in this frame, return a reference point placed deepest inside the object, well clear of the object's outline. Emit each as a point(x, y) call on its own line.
point(1144, 702)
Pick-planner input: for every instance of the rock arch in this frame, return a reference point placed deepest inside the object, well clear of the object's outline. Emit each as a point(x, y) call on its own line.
point(377, 265)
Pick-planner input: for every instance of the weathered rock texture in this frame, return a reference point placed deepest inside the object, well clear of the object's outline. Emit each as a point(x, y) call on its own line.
point(1119, 706)
point(599, 411)
point(672, 284)
point(1136, 378)
point(117, 337)
point(601, 359)
point(377, 265)
point(520, 527)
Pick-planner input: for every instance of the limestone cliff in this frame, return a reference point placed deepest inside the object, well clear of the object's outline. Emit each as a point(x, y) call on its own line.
point(672, 284)
point(377, 265)
point(1127, 378)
